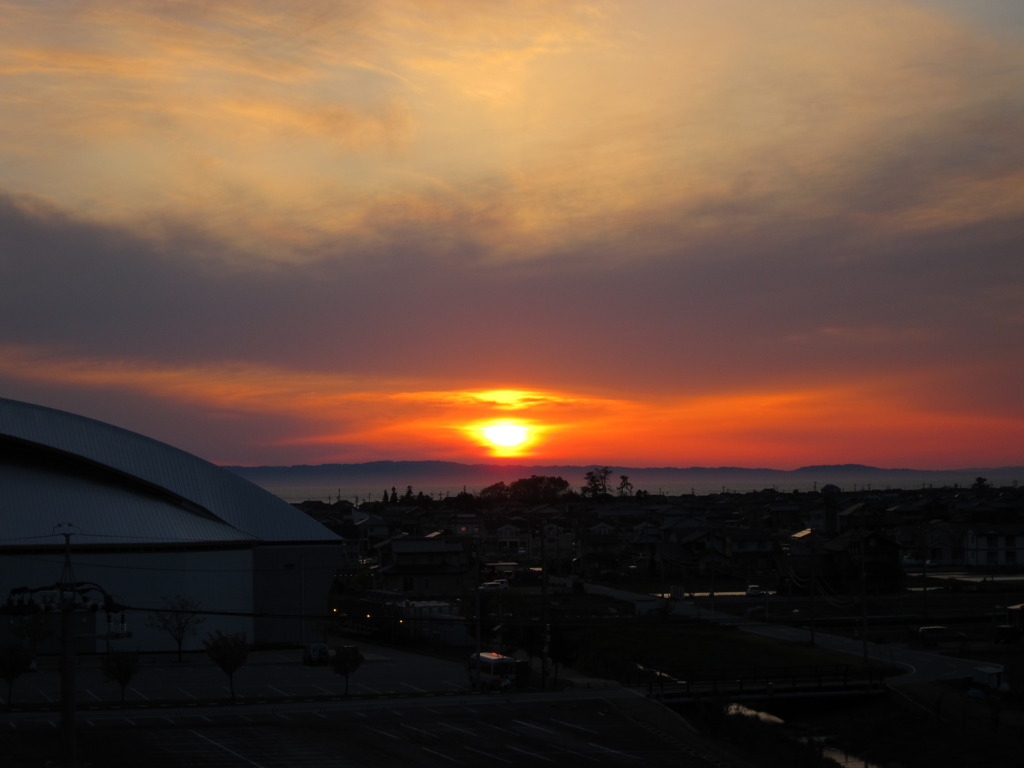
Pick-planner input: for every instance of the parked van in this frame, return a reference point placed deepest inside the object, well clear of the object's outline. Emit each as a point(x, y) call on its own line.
point(938, 635)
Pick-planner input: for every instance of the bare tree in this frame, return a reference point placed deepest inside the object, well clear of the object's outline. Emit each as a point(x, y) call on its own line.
point(178, 618)
point(120, 667)
point(625, 487)
point(228, 652)
point(31, 630)
point(346, 661)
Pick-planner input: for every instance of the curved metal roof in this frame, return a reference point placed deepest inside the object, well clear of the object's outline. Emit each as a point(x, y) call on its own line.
point(119, 487)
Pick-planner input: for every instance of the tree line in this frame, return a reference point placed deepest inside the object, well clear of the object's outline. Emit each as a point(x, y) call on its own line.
point(536, 489)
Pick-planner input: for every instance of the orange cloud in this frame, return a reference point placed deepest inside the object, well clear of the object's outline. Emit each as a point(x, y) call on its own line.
point(651, 117)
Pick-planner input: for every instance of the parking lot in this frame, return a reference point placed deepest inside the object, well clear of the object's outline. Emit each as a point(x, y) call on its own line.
point(265, 675)
point(403, 708)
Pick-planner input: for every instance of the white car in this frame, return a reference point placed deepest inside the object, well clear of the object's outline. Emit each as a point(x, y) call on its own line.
point(494, 586)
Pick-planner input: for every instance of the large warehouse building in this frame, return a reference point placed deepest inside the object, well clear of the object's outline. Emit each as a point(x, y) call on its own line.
point(147, 523)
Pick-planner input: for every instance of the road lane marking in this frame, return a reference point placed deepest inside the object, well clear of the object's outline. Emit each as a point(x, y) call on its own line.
point(441, 754)
point(497, 727)
point(531, 725)
point(419, 730)
point(531, 754)
point(226, 749)
point(382, 733)
point(456, 728)
point(489, 755)
point(573, 725)
point(613, 751)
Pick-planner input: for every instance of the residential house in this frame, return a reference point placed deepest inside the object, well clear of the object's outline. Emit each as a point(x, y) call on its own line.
point(752, 551)
point(863, 561)
point(425, 566)
point(994, 545)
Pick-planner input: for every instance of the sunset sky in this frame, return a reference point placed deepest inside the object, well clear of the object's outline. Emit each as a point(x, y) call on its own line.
point(632, 232)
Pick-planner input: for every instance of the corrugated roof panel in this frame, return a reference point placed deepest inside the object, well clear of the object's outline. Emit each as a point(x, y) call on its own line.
point(240, 510)
point(36, 501)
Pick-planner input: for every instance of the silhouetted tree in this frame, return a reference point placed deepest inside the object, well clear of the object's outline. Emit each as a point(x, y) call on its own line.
point(538, 489)
point(596, 482)
point(463, 500)
point(625, 487)
point(15, 660)
point(178, 618)
point(496, 492)
point(393, 499)
point(120, 667)
point(229, 652)
point(346, 661)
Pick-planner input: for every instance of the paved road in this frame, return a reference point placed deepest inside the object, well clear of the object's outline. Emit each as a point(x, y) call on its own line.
point(621, 731)
point(405, 709)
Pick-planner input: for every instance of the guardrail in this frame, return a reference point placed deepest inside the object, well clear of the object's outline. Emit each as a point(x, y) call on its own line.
point(759, 682)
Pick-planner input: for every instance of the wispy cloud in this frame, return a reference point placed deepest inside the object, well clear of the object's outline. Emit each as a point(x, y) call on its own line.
point(793, 225)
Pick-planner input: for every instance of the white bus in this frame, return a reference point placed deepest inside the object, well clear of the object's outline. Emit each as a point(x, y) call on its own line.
point(489, 670)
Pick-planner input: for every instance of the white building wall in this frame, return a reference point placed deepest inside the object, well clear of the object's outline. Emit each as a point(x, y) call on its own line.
point(997, 549)
point(292, 583)
point(218, 580)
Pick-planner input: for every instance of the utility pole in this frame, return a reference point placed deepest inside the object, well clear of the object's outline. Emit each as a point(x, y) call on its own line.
point(66, 597)
point(546, 640)
point(863, 594)
point(814, 590)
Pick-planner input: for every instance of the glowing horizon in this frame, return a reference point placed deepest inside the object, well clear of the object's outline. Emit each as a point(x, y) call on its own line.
point(383, 422)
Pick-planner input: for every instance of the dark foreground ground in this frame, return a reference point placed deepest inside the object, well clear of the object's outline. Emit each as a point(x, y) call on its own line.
point(407, 709)
point(402, 709)
point(421, 733)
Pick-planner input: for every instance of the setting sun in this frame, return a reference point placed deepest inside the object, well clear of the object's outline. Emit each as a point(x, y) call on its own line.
point(506, 435)
point(504, 438)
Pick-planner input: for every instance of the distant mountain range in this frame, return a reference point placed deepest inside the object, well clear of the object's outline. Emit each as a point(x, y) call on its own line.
point(368, 481)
